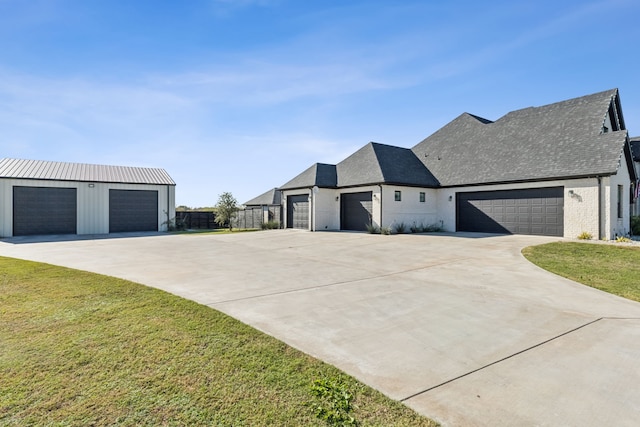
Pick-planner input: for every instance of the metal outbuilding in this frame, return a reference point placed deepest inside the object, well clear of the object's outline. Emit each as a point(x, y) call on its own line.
point(42, 197)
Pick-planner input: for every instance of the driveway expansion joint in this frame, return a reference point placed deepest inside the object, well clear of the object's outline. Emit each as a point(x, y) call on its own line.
point(327, 285)
point(505, 358)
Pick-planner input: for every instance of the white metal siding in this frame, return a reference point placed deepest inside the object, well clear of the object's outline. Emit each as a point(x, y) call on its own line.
point(93, 202)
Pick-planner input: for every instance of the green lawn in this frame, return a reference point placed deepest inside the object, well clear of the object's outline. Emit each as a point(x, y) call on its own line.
point(611, 268)
point(84, 349)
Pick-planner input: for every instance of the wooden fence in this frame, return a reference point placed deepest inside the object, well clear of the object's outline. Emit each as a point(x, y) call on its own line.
point(196, 220)
point(254, 217)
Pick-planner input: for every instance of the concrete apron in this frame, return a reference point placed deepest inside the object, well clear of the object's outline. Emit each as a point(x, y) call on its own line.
point(459, 327)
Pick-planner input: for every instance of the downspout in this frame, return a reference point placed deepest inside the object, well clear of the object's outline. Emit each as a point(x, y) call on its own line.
point(380, 185)
point(281, 211)
point(599, 207)
point(311, 205)
point(168, 207)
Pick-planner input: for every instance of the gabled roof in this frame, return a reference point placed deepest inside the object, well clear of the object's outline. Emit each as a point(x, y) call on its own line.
point(320, 174)
point(380, 163)
point(271, 197)
point(62, 171)
point(559, 140)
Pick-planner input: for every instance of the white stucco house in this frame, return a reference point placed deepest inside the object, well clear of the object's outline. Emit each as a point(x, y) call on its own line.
point(560, 169)
point(42, 197)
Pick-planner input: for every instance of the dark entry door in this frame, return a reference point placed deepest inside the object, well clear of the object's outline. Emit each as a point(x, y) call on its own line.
point(531, 211)
point(44, 210)
point(356, 210)
point(298, 211)
point(133, 210)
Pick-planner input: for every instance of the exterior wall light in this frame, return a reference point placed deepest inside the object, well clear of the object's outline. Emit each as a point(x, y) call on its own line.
point(450, 198)
point(91, 185)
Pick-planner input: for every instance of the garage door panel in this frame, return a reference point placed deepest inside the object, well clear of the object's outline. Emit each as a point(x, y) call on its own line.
point(44, 210)
point(356, 210)
point(133, 210)
point(298, 211)
point(528, 211)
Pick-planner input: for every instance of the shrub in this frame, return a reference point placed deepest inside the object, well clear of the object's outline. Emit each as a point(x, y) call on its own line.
point(623, 239)
point(585, 236)
point(385, 230)
point(270, 225)
point(431, 228)
point(373, 229)
point(400, 228)
point(416, 228)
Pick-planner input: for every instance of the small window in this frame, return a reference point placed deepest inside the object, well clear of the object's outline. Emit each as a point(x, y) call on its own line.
point(422, 197)
point(620, 198)
point(398, 196)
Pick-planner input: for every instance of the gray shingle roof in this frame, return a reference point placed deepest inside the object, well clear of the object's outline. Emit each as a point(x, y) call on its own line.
point(320, 174)
point(62, 171)
point(380, 163)
point(271, 197)
point(553, 141)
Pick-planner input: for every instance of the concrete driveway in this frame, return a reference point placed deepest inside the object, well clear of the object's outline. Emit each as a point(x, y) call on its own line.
point(459, 327)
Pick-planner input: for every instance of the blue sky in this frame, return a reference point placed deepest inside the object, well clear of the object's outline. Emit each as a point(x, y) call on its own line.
point(242, 95)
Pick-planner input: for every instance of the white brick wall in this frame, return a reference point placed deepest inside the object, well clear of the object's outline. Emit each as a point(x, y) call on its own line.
point(409, 210)
point(581, 205)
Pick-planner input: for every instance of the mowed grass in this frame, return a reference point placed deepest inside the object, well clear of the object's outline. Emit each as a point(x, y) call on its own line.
point(611, 268)
point(78, 348)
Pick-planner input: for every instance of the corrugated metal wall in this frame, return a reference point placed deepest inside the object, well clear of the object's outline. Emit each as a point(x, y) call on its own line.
point(93, 202)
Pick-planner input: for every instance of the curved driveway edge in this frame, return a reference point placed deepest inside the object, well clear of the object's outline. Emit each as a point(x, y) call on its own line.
point(458, 326)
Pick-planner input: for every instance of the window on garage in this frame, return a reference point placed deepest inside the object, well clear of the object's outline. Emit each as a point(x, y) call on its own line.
point(422, 197)
point(397, 196)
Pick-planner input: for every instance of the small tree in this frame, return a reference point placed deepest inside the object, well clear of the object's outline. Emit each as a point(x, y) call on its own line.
point(226, 209)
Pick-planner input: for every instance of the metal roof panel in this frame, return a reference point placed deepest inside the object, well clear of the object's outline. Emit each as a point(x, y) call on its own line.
point(64, 171)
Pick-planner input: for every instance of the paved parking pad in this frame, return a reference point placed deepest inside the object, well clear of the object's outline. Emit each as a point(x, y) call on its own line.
point(458, 326)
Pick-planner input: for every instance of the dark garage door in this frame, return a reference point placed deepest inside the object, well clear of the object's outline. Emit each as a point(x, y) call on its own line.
point(133, 210)
point(44, 210)
point(298, 211)
point(532, 211)
point(355, 210)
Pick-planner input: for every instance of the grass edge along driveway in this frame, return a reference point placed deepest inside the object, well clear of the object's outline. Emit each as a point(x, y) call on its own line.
point(610, 268)
point(84, 349)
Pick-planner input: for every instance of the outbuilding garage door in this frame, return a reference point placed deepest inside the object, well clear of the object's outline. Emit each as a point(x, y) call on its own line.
point(44, 210)
point(532, 211)
point(355, 210)
point(133, 210)
point(298, 211)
